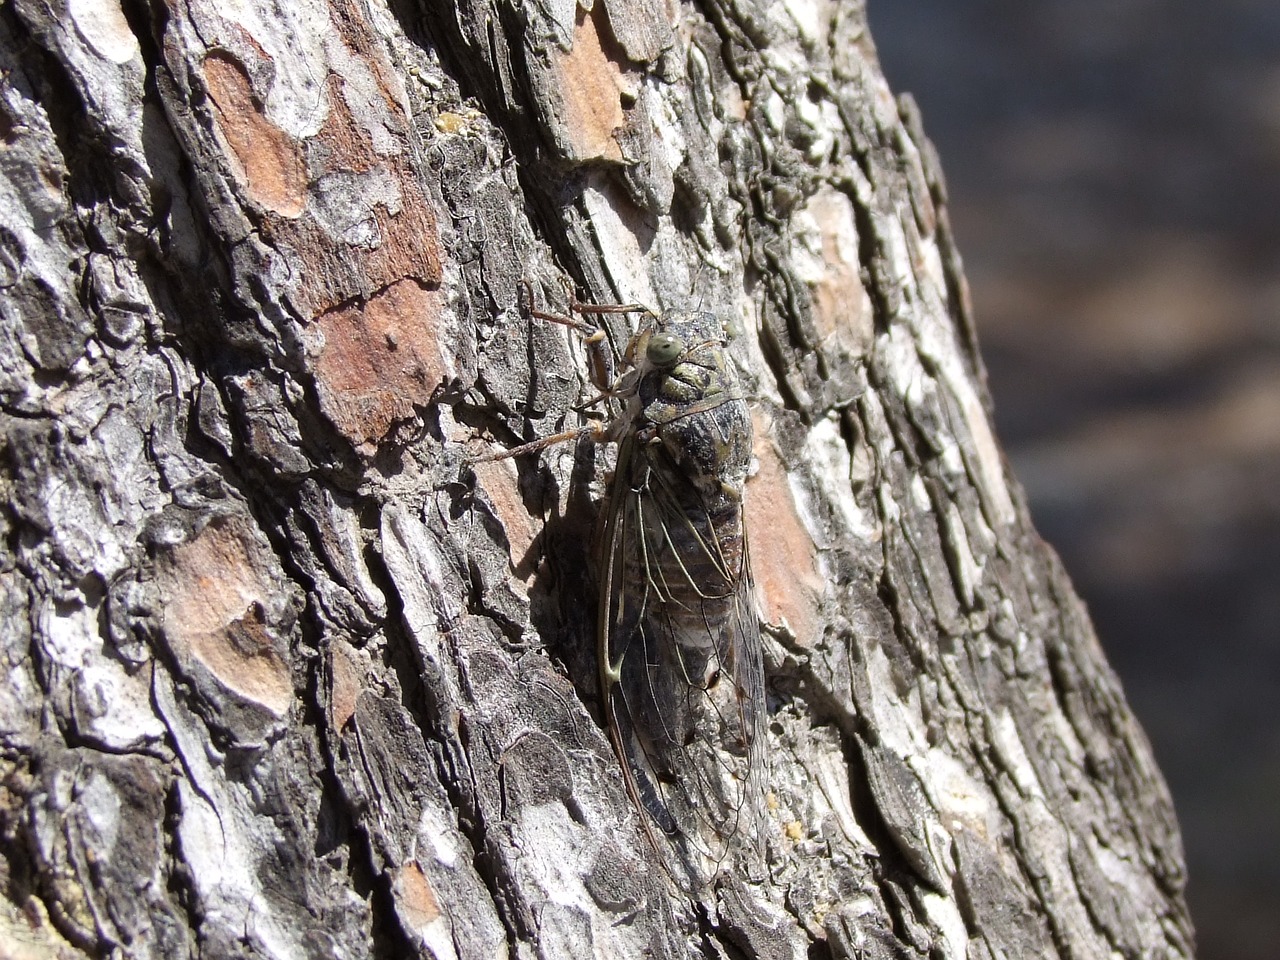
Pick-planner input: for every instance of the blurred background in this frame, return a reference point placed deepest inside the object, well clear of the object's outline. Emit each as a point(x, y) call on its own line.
point(1114, 173)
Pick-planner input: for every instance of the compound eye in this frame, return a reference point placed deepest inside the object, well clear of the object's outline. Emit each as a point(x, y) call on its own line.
point(663, 349)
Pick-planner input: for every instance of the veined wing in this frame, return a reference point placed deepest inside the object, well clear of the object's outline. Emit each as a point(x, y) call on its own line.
point(679, 650)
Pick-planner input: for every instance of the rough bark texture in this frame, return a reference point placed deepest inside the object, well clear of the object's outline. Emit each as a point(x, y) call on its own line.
point(286, 677)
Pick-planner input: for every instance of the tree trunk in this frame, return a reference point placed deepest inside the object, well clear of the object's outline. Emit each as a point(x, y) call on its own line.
point(291, 674)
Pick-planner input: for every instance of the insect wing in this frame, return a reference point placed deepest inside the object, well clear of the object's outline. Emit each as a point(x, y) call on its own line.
point(680, 647)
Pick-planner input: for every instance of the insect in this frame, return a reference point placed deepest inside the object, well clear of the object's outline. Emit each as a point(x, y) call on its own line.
point(678, 640)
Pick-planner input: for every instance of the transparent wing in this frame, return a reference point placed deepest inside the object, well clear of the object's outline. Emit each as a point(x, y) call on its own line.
point(679, 650)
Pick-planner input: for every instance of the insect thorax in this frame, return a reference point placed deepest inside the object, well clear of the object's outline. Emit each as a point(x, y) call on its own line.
point(696, 410)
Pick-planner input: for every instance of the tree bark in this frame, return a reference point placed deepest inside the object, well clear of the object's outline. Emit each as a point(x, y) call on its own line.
point(289, 675)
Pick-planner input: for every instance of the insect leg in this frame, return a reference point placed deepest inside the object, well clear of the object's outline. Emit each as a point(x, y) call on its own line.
point(596, 432)
point(600, 350)
point(599, 353)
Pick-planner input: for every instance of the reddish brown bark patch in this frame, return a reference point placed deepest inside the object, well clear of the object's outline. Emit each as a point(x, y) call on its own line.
point(347, 673)
point(595, 90)
point(344, 209)
point(414, 894)
point(267, 161)
point(502, 487)
point(215, 595)
point(370, 224)
point(380, 359)
point(788, 583)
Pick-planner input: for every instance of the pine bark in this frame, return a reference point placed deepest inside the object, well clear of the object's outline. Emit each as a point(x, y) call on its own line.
point(289, 676)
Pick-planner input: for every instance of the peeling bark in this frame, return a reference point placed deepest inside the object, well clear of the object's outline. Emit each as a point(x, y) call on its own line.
point(288, 677)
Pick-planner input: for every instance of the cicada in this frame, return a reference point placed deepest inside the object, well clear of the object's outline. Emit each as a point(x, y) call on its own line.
point(678, 638)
